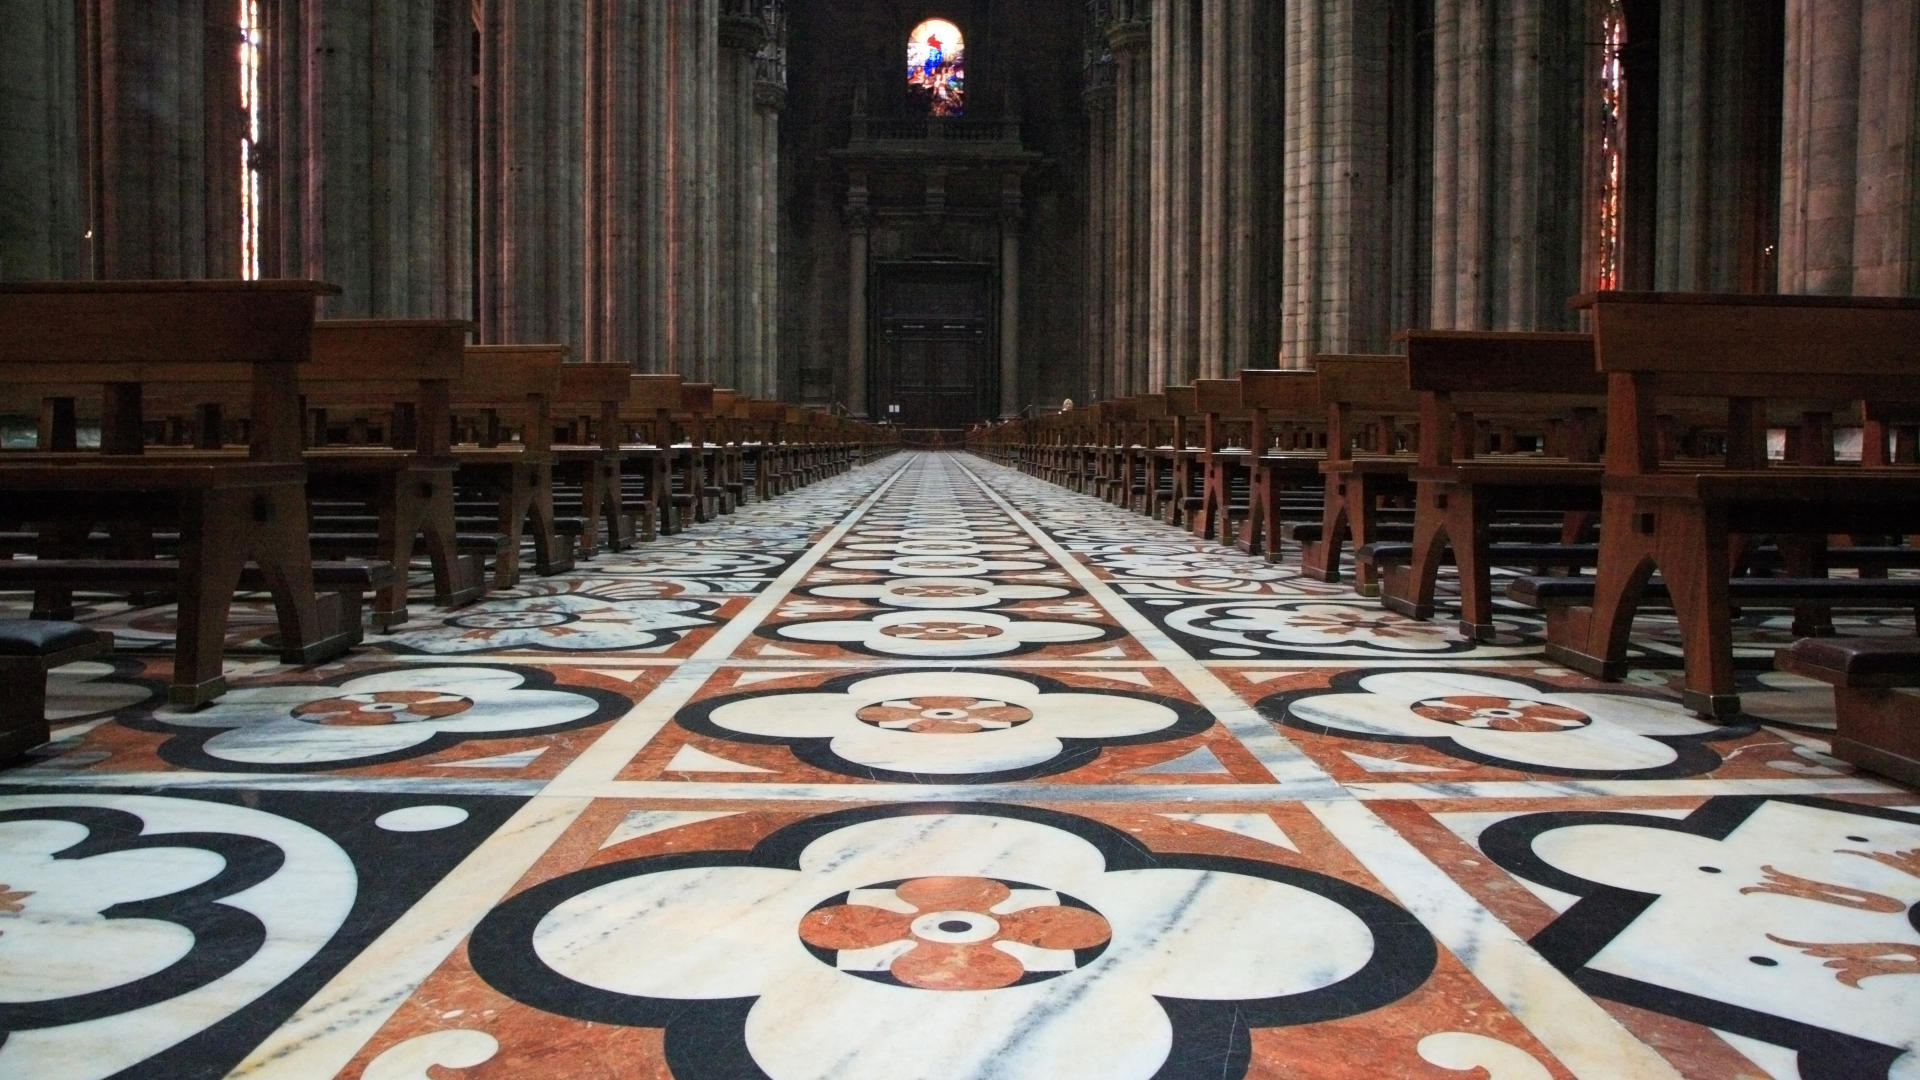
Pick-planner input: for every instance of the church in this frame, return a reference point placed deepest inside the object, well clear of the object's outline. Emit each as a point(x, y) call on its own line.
point(1056, 539)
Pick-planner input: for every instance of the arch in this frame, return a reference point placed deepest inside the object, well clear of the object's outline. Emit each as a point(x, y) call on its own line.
point(936, 67)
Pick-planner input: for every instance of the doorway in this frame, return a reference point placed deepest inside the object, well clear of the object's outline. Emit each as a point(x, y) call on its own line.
point(935, 364)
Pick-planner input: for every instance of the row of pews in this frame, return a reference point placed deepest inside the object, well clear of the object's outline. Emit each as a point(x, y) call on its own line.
point(1682, 454)
point(245, 445)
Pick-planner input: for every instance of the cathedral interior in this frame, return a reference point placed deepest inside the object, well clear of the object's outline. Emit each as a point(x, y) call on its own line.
point(981, 540)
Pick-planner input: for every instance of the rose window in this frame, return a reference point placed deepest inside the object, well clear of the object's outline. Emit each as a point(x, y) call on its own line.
point(945, 715)
point(955, 933)
point(382, 707)
point(1501, 714)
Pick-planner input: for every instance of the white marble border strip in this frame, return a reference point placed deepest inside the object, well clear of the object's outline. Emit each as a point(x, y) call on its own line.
point(1576, 1028)
point(1614, 789)
point(1285, 761)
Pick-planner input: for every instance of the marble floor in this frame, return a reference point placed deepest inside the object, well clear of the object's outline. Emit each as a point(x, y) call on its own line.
point(934, 771)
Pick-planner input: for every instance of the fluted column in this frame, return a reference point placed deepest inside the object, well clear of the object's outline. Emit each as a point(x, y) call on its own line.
point(1010, 296)
point(40, 211)
point(1235, 231)
point(1850, 175)
point(1719, 146)
point(1098, 302)
point(742, 34)
point(533, 123)
point(1173, 326)
point(1508, 125)
point(769, 98)
point(1338, 269)
point(1130, 187)
point(859, 227)
point(617, 228)
point(165, 91)
point(370, 153)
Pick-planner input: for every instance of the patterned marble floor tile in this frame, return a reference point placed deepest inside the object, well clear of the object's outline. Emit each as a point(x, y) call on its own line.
point(492, 721)
point(946, 725)
point(1788, 927)
point(704, 941)
point(1434, 725)
point(676, 815)
point(165, 935)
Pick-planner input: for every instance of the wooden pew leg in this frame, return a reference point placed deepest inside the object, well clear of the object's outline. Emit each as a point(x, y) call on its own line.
point(401, 516)
point(1879, 730)
point(217, 530)
point(1593, 640)
point(455, 582)
point(1692, 554)
point(549, 552)
point(1408, 590)
point(513, 525)
point(1468, 521)
point(610, 504)
point(314, 628)
point(1320, 559)
point(23, 708)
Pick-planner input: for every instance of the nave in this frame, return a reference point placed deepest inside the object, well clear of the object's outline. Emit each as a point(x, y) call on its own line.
point(929, 770)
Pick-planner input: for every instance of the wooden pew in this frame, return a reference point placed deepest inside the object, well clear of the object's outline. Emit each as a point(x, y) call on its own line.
point(1275, 400)
point(647, 415)
point(406, 367)
point(588, 460)
point(1172, 475)
point(1876, 711)
point(1681, 517)
point(231, 514)
point(1461, 493)
point(515, 479)
point(1365, 398)
point(1222, 460)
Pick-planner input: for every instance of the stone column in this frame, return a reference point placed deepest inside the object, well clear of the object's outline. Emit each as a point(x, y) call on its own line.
point(769, 98)
point(363, 150)
point(41, 229)
point(1010, 296)
point(532, 60)
point(859, 225)
point(1132, 168)
point(658, 281)
point(1234, 229)
point(1850, 171)
point(1719, 150)
point(1508, 140)
point(166, 164)
point(617, 230)
point(1338, 269)
point(741, 35)
point(1173, 327)
point(1098, 302)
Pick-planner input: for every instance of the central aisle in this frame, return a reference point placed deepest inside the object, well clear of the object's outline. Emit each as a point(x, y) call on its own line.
point(936, 771)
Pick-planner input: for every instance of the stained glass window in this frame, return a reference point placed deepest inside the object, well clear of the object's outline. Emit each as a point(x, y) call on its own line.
point(936, 67)
point(251, 189)
point(1613, 137)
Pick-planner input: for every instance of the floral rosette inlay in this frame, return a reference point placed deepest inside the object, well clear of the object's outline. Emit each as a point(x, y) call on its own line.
point(589, 616)
point(955, 933)
point(1317, 628)
point(1514, 724)
point(944, 726)
point(948, 634)
point(376, 717)
point(940, 594)
point(973, 940)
